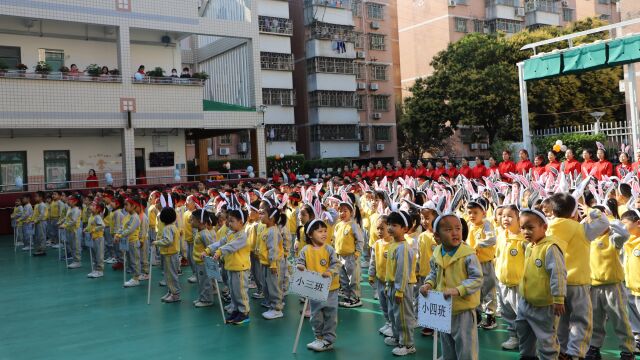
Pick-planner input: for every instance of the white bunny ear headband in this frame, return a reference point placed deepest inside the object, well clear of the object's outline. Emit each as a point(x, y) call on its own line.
point(345, 199)
point(166, 203)
point(247, 201)
point(317, 212)
point(625, 149)
point(234, 204)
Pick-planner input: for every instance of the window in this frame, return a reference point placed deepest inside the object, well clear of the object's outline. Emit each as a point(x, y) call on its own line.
point(478, 26)
point(603, 2)
point(504, 25)
point(123, 5)
point(378, 72)
point(376, 42)
point(225, 139)
point(335, 133)
point(356, 8)
point(364, 134)
point(276, 61)
point(375, 11)
point(380, 102)
point(361, 103)
point(382, 133)
point(284, 97)
point(605, 17)
point(281, 133)
point(13, 164)
point(330, 65)
point(275, 25)
point(359, 40)
point(325, 98)
point(567, 14)
point(461, 25)
point(326, 31)
point(359, 69)
point(10, 55)
point(57, 169)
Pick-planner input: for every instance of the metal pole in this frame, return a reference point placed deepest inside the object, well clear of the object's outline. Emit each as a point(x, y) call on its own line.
point(633, 102)
point(524, 110)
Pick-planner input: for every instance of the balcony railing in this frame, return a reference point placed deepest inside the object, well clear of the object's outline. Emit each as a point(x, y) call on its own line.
point(330, 65)
point(283, 97)
point(338, 99)
point(276, 61)
point(60, 76)
point(542, 5)
point(168, 81)
point(325, 31)
point(335, 133)
point(338, 4)
point(514, 3)
point(275, 25)
point(279, 132)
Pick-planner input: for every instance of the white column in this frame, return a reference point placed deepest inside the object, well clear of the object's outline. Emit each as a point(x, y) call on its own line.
point(261, 153)
point(124, 55)
point(129, 156)
point(524, 110)
point(633, 103)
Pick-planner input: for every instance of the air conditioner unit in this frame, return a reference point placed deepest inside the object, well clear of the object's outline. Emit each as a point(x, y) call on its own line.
point(360, 54)
point(452, 3)
point(224, 151)
point(520, 11)
point(484, 146)
point(376, 116)
point(373, 86)
point(474, 146)
point(243, 147)
point(362, 86)
point(375, 25)
point(365, 148)
point(379, 147)
point(486, 30)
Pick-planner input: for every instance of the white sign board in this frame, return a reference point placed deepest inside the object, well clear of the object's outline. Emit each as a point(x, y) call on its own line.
point(212, 268)
point(310, 285)
point(434, 312)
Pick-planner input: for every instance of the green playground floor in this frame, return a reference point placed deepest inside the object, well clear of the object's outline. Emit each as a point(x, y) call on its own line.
point(49, 312)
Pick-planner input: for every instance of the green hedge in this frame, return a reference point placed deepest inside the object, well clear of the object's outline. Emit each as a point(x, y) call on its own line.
point(575, 142)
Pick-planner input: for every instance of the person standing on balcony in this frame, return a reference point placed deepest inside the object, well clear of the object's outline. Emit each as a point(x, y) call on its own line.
point(186, 74)
point(92, 180)
point(74, 70)
point(524, 165)
point(139, 75)
point(174, 73)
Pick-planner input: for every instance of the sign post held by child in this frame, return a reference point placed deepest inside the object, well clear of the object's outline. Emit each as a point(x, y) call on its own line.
point(212, 268)
point(309, 285)
point(434, 312)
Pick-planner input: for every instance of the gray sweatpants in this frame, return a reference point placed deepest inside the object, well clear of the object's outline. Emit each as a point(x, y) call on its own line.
point(634, 311)
point(27, 234)
point(110, 249)
point(98, 254)
point(272, 289)
point(73, 245)
point(382, 298)
point(133, 259)
point(508, 297)
point(144, 256)
point(192, 264)
point(324, 317)
point(403, 315)
point(488, 301)
point(205, 285)
point(462, 343)
point(610, 302)
point(52, 230)
point(239, 290)
point(284, 278)
point(170, 265)
point(256, 272)
point(576, 326)
point(537, 328)
point(350, 276)
point(40, 238)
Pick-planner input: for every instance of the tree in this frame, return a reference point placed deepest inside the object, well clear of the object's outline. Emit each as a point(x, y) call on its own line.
point(424, 124)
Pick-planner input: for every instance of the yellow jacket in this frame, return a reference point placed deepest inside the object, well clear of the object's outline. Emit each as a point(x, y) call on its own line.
point(572, 240)
point(632, 265)
point(544, 281)
point(373, 220)
point(378, 261)
point(426, 244)
point(234, 250)
point(320, 260)
point(462, 271)
point(95, 227)
point(402, 267)
point(510, 258)
point(270, 250)
point(54, 210)
point(169, 242)
point(202, 240)
point(187, 229)
point(482, 238)
point(604, 261)
point(131, 228)
point(348, 238)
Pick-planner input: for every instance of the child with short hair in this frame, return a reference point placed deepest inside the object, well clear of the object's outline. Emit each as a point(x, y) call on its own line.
point(72, 226)
point(631, 250)
point(95, 229)
point(234, 251)
point(131, 233)
point(40, 224)
point(457, 273)
point(144, 245)
point(169, 245)
point(271, 253)
point(401, 280)
point(55, 211)
point(16, 224)
point(378, 270)
point(542, 290)
point(349, 242)
point(320, 257)
point(27, 223)
point(200, 219)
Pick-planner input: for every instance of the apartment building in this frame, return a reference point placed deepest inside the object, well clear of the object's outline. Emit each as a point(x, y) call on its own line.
point(56, 125)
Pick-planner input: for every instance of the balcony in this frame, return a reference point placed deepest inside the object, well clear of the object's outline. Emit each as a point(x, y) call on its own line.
point(329, 11)
point(59, 76)
point(326, 31)
point(276, 61)
point(337, 99)
point(335, 133)
point(331, 82)
point(282, 97)
point(274, 25)
point(503, 9)
point(336, 4)
point(330, 65)
point(278, 132)
point(541, 13)
point(150, 80)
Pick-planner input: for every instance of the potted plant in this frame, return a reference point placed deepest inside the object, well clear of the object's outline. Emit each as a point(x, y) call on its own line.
point(43, 68)
point(201, 75)
point(22, 69)
point(114, 72)
point(3, 67)
point(93, 70)
point(64, 70)
point(158, 72)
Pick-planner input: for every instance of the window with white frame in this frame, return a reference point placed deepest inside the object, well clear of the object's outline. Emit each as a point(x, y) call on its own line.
point(327, 98)
point(276, 61)
point(375, 11)
point(380, 102)
point(356, 8)
point(382, 133)
point(461, 25)
point(123, 5)
point(378, 71)
point(376, 42)
point(359, 70)
point(358, 40)
point(283, 97)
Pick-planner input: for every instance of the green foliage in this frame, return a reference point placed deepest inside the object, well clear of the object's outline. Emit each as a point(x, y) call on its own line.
point(293, 162)
point(157, 72)
point(498, 146)
point(43, 67)
point(93, 70)
point(575, 142)
point(336, 164)
point(201, 75)
point(218, 165)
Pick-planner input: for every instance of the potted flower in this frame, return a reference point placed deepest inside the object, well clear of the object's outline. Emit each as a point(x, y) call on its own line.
point(201, 75)
point(93, 70)
point(3, 67)
point(114, 72)
point(158, 72)
point(43, 68)
point(22, 69)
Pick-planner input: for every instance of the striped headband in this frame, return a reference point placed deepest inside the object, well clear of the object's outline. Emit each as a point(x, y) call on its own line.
point(535, 212)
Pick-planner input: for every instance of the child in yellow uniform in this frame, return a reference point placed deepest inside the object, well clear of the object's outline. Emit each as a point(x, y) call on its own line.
point(320, 257)
point(95, 229)
point(169, 245)
point(39, 220)
point(188, 233)
point(378, 270)
point(542, 290)
point(144, 246)
point(53, 218)
point(631, 220)
point(15, 222)
point(128, 240)
point(426, 245)
point(200, 219)
point(456, 272)
point(235, 251)
point(271, 253)
point(72, 226)
point(509, 269)
point(349, 243)
point(483, 239)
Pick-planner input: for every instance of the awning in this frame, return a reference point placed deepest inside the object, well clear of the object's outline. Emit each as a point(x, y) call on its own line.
point(208, 105)
point(542, 67)
point(624, 50)
point(591, 57)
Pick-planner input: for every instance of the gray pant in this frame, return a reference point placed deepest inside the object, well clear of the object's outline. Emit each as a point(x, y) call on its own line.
point(272, 289)
point(285, 278)
point(610, 302)
point(462, 343)
point(239, 290)
point(382, 298)
point(350, 276)
point(73, 245)
point(634, 311)
point(98, 254)
point(27, 234)
point(324, 317)
point(576, 326)
point(205, 287)
point(256, 272)
point(488, 300)
point(52, 230)
point(144, 256)
point(509, 297)
point(110, 251)
point(537, 328)
point(40, 238)
point(403, 315)
point(133, 259)
point(192, 264)
point(20, 234)
point(171, 263)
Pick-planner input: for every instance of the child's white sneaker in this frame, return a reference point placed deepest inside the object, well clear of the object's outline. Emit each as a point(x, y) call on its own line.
point(272, 314)
point(98, 274)
point(510, 344)
point(132, 283)
point(384, 328)
point(201, 304)
point(388, 332)
point(402, 350)
point(192, 279)
point(91, 275)
point(315, 345)
point(74, 265)
point(55, 246)
point(143, 277)
point(391, 341)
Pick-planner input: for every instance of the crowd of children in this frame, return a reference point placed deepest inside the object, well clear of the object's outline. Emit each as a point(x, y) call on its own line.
point(555, 255)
